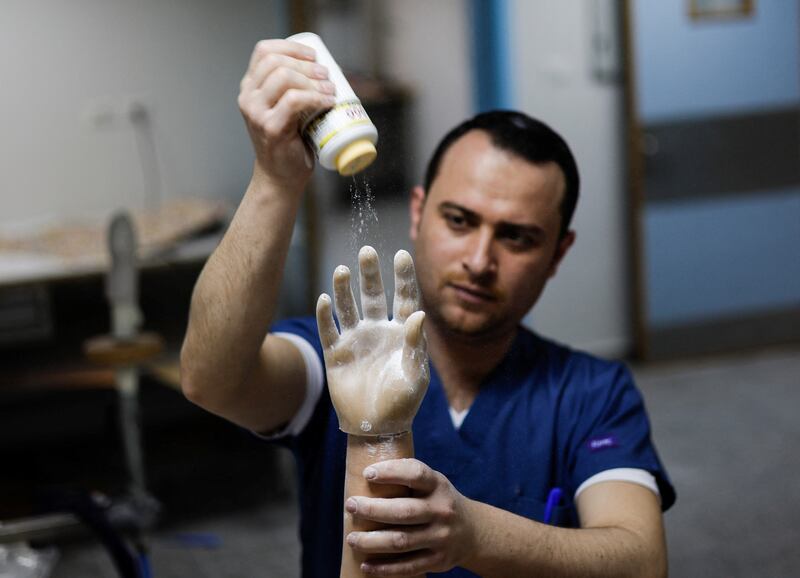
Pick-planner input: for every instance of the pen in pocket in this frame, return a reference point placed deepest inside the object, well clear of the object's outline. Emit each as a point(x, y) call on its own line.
point(553, 499)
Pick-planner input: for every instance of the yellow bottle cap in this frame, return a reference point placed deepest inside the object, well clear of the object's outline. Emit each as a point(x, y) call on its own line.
point(355, 157)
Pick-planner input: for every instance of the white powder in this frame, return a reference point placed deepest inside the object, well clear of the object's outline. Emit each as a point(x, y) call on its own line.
point(364, 224)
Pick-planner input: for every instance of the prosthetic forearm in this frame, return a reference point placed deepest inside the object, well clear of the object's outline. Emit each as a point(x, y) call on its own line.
point(363, 451)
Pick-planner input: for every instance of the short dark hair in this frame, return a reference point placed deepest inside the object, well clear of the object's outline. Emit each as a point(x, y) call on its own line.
point(524, 136)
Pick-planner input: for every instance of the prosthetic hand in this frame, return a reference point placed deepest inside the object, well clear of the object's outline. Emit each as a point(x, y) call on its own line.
point(377, 376)
point(377, 369)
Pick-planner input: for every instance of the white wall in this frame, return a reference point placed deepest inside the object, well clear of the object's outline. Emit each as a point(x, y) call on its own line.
point(70, 71)
point(429, 49)
point(587, 304)
point(426, 49)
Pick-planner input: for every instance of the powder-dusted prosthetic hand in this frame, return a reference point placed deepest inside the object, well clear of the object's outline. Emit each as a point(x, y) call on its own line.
point(377, 376)
point(377, 369)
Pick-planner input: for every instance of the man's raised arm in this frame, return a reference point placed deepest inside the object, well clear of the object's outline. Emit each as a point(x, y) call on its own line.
point(229, 365)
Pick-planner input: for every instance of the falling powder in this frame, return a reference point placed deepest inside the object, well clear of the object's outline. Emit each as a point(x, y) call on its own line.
point(364, 226)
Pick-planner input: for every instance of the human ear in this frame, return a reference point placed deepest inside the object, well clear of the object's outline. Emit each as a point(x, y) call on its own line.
point(562, 248)
point(416, 206)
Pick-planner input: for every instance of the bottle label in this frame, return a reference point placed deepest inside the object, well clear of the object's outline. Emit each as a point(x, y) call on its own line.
point(328, 124)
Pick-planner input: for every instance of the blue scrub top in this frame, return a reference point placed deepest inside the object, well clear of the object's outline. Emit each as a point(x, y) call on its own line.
point(545, 417)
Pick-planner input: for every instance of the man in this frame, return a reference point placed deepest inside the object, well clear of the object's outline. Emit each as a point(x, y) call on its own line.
point(508, 416)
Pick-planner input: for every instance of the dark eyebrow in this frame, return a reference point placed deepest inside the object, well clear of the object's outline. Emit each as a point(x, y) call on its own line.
point(535, 232)
point(447, 205)
point(503, 226)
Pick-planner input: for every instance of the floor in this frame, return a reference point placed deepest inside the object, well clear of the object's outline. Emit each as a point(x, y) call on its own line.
point(729, 433)
point(726, 428)
point(257, 542)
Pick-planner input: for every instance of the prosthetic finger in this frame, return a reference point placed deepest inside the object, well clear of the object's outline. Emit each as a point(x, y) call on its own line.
point(346, 308)
point(406, 299)
point(414, 348)
point(328, 334)
point(373, 297)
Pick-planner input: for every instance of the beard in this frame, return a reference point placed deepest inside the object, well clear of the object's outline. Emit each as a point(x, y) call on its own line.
point(462, 320)
point(465, 328)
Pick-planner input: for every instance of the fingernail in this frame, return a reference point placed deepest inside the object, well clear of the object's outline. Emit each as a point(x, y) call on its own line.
point(351, 539)
point(327, 87)
point(370, 473)
point(320, 71)
point(351, 505)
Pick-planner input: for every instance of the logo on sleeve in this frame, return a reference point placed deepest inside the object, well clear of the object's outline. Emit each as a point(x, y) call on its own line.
point(602, 443)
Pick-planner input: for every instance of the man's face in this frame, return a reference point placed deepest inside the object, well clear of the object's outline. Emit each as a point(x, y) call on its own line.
point(486, 237)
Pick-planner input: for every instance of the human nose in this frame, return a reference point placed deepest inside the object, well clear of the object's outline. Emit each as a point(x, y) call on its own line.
point(480, 260)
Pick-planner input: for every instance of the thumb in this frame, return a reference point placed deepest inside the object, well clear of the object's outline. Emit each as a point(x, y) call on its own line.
point(415, 354)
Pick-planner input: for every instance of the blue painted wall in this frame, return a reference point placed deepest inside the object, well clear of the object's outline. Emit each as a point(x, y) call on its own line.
point(692, 68)
point(720, 259)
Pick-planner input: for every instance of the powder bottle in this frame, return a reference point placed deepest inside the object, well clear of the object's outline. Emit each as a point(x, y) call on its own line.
point(343, 138)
